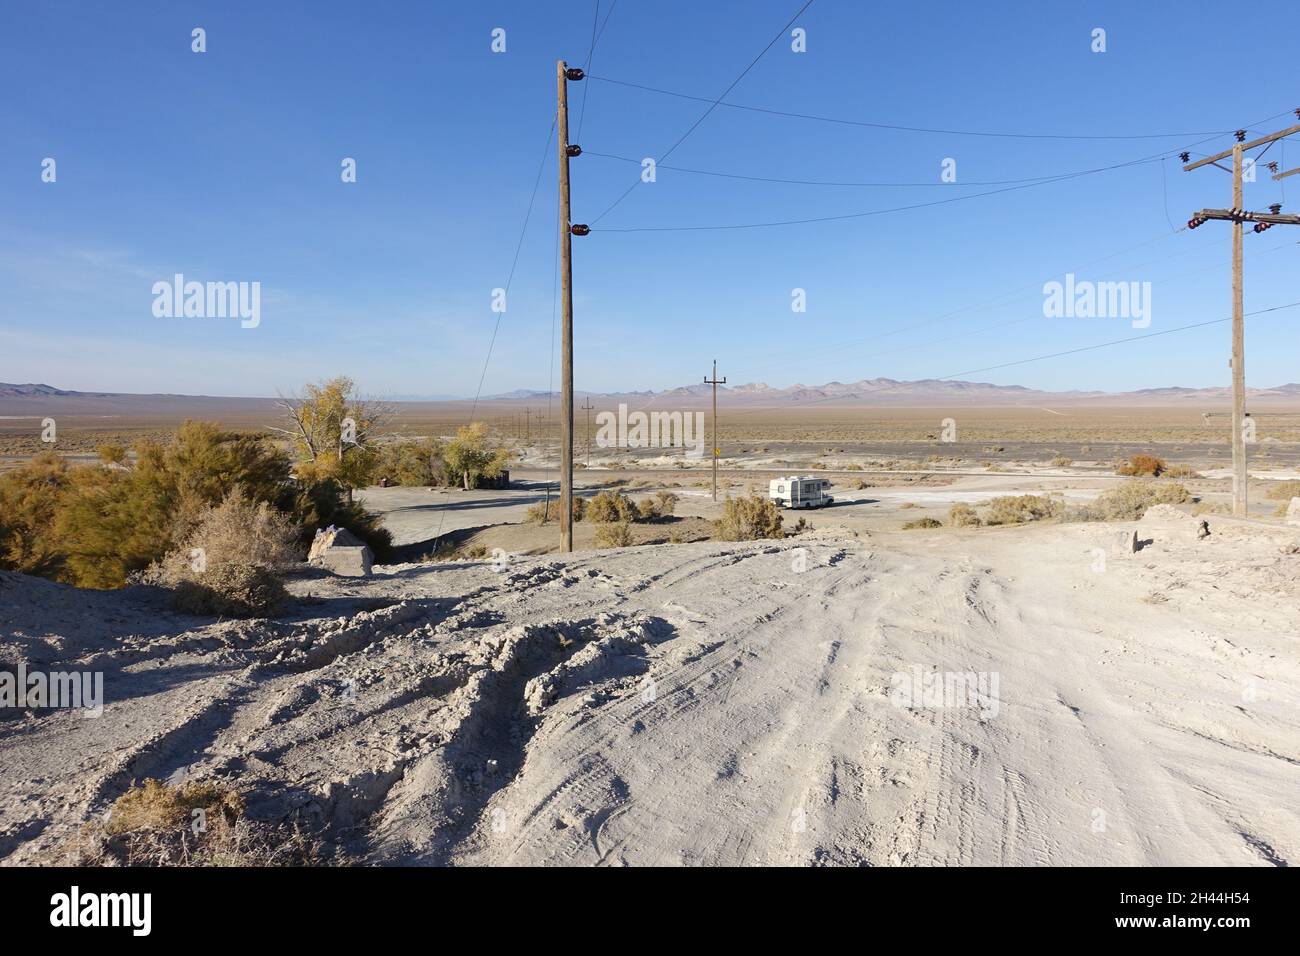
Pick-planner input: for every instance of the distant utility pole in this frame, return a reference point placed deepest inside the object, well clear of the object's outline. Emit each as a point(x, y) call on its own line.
point(563, 74)
point(1237, 215)
point(715, 382)
point(528, 422)
point(587, 407)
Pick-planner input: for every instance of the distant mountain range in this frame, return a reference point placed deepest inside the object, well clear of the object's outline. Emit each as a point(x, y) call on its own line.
point(891, 392)
point(30, 399)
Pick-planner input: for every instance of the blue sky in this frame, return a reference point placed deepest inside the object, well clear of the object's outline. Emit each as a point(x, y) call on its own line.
point(225, 165)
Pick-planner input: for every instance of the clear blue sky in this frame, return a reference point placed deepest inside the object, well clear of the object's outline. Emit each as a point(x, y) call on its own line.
point(225, 166)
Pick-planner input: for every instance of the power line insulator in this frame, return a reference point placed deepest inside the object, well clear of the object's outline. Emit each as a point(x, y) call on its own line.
point(1272, 167)
point(573, 149)
point(1196, 221)
point(1275, 208)
point(1241, 135)
point(1185, 157)
point(1261, 226)
point(580, 229)
point(574, 73)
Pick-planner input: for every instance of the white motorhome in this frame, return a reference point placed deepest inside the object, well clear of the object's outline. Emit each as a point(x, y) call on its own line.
point(800, 492)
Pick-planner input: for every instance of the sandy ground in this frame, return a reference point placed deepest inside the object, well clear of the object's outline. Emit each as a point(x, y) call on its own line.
point(712, 703)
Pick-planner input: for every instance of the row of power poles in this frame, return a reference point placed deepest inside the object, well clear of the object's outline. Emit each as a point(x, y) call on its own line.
point(1238, 216)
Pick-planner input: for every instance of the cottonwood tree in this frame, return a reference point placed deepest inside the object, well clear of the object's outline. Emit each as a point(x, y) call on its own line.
point(472, 456)
point(331, 429)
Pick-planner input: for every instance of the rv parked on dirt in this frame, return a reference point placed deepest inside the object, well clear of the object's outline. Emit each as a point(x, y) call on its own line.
point(800, 492)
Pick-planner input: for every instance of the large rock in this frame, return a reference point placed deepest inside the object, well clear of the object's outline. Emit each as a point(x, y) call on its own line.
point(342, 552)
point(1293, 512)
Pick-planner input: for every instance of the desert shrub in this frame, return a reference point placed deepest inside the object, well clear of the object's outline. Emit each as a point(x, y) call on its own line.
point(111, 453)
point(665, 503)
point(645, 510)
point(748, 519)
point(922, 523)
point(545, 511)
point(322, 504)
point(1142, 466)
point(1060, 461)
point(30, 497)
point(472, 456)
point(610, 505)
point(1180, 471)
point(857, 484)
point(95, 527)
point(1132, 499)
point(1283, 490)
point(614, 534)
point(416, 463)
point(237, 531)
point(231, 590)
point(1213, 508)
point(963, 515)
point(190, 824)
point(1017, 509)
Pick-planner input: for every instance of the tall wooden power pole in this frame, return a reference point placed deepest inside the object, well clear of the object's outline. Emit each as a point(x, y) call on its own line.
point(715, 382)
point(567, 230)
point(587, 407)
point(1237, 215)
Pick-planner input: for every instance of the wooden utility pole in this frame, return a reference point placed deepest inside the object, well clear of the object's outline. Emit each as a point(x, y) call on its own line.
point(567, 230)
point(1237, 215)
point(715, 382)
point(587, 407)
point(1239, 470)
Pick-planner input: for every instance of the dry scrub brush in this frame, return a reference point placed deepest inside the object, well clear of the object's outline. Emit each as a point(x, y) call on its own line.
point(614, 534)
point(1018, 509)
point(748, 519)
point(228, 564)
point(1131, 500)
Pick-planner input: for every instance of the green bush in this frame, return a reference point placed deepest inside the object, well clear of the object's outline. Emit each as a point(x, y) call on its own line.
point(416, 463)
point(95, 526)
point(29, 504)
point(748, 519)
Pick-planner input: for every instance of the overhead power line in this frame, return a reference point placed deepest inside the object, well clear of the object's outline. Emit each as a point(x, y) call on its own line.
point(937, 202)
point(523, 230)
point(712, 106)
point(1102, 345)
point(824, 182)
point(879, 212)
point(905, 129)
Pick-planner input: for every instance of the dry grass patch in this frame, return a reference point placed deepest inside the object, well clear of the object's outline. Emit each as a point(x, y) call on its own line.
point(191, 824)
